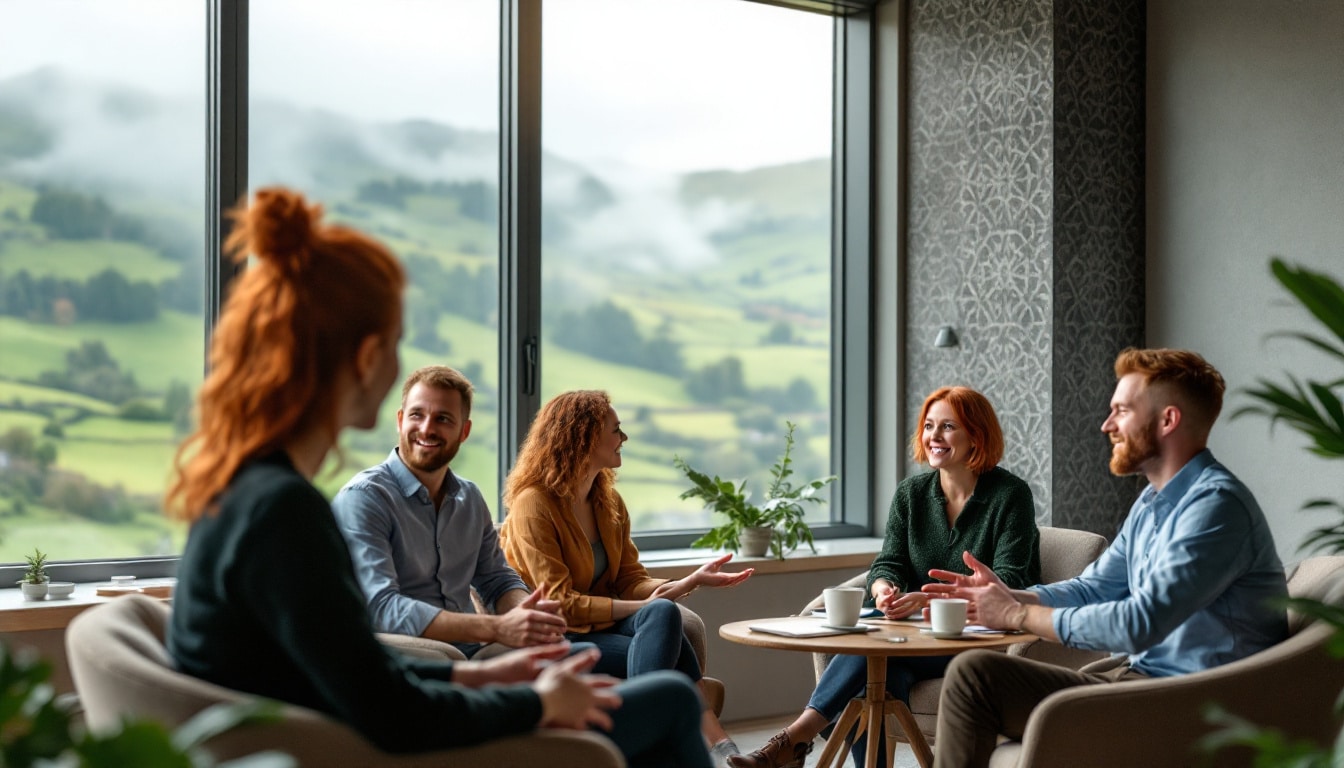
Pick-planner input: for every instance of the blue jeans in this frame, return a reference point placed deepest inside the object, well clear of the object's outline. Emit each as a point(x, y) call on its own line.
point(846, 677)
point(649, 640)
point(658, 722)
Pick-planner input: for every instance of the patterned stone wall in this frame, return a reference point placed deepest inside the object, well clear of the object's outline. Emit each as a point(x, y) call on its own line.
point(1011, 241)
point(1098, 247)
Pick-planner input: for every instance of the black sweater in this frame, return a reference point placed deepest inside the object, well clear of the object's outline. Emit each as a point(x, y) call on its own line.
point(267, 603)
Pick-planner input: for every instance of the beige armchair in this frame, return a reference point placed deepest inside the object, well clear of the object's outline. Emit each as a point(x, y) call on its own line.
point(1064, 554)
point(1156, 723)
point(122, 670)
point(692, 625)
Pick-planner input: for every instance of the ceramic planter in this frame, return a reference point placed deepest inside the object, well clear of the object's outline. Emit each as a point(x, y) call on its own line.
point(755, 541)
point(33, 591)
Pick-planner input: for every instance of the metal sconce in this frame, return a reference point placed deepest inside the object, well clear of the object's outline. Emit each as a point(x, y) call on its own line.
point(947, 337)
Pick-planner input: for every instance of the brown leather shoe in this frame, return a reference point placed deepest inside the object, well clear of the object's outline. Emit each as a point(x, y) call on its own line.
point(778, 752)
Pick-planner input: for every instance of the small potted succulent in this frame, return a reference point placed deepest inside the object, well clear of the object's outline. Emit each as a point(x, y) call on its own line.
point(35, 580)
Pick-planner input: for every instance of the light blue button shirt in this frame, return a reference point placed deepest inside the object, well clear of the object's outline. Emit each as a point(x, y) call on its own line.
point(1192, 581)
point(413, 560)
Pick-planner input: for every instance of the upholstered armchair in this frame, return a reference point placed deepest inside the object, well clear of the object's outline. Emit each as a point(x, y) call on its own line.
point(692, 625)
point(122, 670)
point(1064, 554)
point(1156, 723)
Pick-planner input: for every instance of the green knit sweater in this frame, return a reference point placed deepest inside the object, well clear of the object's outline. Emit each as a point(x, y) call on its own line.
point(997, 525)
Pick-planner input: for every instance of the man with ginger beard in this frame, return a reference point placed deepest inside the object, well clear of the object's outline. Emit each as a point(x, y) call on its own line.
point(421, 537)
point(1191, 582)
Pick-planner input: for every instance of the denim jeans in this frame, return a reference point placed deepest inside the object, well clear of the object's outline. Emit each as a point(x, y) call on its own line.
point(658, 722)
point(646, 641)
point(846, 677)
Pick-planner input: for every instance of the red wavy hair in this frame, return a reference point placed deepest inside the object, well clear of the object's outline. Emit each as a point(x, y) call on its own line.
point(976, 416)
point(554, 455)
point(293, 320)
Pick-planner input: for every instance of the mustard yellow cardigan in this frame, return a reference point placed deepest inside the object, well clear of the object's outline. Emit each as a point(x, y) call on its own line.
point(545, 544)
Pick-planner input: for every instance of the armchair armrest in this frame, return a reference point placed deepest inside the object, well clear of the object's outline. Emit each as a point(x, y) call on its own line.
point(1156, 722)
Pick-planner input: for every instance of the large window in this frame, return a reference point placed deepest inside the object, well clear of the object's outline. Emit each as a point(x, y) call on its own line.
point(686, 236)
point(678, 218)
point(388, 114)
point(101, 270)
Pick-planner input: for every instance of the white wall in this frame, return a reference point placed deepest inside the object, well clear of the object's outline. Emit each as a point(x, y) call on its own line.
point(1245, 161)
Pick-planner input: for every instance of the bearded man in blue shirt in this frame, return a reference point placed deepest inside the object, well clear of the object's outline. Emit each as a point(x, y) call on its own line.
point(421, 537)
point(1191, 582)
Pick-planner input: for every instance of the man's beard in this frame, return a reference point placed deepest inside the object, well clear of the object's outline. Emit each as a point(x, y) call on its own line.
point(416, 457)
point(1128, 455)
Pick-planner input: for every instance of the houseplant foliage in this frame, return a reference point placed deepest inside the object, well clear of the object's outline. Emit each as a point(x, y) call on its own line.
point(38, 729)
point(1313, 409)
point(782, 511)
point(37, 568)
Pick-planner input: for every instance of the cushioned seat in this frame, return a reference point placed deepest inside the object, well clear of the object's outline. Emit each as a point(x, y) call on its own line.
point(122, 670)
point(1156, 723)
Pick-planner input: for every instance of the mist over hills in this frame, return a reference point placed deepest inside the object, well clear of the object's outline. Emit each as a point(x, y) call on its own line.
point(131, 145)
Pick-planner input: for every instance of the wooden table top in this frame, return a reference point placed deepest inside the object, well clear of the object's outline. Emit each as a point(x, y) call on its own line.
point(875, 643)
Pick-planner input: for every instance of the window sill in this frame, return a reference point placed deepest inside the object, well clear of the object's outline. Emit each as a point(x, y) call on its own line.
point(856, 553)
point(19, 615)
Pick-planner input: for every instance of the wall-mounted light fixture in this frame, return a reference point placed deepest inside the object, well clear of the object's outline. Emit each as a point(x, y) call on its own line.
point(947, 337)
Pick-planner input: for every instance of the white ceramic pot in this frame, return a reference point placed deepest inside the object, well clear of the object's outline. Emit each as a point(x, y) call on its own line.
point(60, 590)
point(33, 591)
point(755, 541)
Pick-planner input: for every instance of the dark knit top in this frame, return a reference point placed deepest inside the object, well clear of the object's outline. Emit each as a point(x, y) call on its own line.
point(267, 602)
point(997, 525)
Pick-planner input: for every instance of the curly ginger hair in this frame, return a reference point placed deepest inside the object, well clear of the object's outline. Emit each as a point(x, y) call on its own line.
point(554, 455)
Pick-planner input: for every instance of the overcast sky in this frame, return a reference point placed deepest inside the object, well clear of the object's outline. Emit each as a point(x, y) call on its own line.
point(661, 84)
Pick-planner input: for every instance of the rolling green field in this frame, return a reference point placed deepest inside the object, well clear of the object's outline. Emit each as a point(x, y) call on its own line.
point(716, 310)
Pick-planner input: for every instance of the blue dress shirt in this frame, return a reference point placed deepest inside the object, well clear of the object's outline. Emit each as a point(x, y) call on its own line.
point(1192, 581)
point(413, 560)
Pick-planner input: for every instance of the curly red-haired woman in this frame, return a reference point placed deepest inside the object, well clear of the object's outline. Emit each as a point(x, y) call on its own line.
point(568, 528)
point(267, 600)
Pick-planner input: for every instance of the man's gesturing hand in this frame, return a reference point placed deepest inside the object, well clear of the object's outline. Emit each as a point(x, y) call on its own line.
point(535, 621)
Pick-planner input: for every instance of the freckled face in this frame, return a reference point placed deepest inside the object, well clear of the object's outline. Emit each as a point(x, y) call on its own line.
point(607, 450)
point(946, 443)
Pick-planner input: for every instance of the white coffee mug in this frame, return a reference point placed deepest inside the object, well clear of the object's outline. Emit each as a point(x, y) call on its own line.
point(843, 605)
point(947, 615)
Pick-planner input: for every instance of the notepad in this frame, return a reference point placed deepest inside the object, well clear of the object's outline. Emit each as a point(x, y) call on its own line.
point(805, 628)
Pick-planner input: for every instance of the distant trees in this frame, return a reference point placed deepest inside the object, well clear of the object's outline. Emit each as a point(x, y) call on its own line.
point(90, 370)
point(107, 296)
point(720, 382)
point(608, 332)
point(474, 294)
point(476, 200)
point(28, 474)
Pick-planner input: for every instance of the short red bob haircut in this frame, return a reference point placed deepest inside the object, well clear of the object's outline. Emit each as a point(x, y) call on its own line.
point(976, 416)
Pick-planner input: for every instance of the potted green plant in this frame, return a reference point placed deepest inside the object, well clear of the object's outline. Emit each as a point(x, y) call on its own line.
point(776, 525)
point(1315, 410)
point(34, 581)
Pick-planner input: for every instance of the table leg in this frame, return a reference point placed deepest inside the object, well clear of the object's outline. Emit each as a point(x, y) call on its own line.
point(838, 744)
point(897, 709)
point(874, 706)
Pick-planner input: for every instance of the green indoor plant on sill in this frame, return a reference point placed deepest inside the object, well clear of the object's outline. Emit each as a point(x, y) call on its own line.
point(1314, 409)
point(781, 514)
point(34, 581)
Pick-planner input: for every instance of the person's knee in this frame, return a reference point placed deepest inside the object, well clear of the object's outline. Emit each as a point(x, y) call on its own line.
point(968, 670)
point(676, 691)
point(663, 612)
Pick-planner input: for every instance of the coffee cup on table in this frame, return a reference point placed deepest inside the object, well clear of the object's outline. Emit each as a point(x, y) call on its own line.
point(947, 615)
point(843, 605)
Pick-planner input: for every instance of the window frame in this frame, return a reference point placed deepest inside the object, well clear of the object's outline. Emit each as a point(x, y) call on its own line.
point(520, 353)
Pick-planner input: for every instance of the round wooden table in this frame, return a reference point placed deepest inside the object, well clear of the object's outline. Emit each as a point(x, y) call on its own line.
point(870, 712)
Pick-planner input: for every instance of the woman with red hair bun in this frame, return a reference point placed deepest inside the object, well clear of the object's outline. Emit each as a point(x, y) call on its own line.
point(267, 601)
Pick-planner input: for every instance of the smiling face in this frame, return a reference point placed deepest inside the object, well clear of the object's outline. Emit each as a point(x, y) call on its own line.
point(432, 426)
point(1132, 427)
point(606, 452)
point(946, 443)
